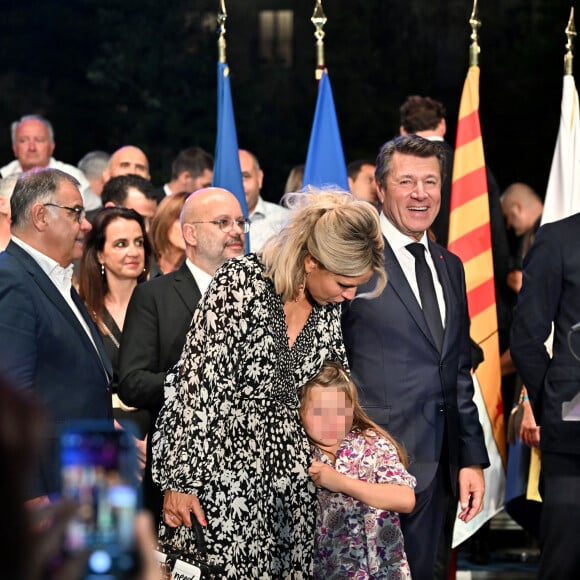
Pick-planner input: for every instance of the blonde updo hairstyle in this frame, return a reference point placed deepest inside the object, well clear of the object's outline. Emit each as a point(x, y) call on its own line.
point(341, 233)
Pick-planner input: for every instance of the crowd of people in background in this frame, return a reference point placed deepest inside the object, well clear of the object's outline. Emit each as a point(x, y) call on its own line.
point(326, 372)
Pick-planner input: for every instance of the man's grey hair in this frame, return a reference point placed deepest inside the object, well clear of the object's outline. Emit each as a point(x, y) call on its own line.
point(93, 163)
point(34, 186)
point(42, 120)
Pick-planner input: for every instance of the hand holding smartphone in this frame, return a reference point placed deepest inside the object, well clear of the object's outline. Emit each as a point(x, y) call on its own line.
point(98, 466)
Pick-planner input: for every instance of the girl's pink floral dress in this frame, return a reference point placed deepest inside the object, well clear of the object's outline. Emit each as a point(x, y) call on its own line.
point(354, 540)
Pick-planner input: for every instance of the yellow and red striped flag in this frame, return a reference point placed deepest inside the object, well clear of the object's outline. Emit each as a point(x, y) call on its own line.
point(470, 239)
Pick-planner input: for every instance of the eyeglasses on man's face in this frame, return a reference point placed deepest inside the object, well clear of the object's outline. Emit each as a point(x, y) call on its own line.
point(79, 211)
point(227, 224)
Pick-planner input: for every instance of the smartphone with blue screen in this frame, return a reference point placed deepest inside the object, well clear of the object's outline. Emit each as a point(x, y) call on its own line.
point(99, 472)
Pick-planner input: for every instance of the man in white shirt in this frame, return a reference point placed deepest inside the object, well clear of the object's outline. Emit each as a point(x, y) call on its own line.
point(50, 345)
point(33, 145)
point(191, 170)
point(267, 218)
point(92, 165)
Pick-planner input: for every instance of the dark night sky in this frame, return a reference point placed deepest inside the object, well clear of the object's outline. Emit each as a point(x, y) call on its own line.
point(110, 72)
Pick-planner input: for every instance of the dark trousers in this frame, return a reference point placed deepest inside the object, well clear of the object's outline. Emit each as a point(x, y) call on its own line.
point(424, 528)
point(560, 557)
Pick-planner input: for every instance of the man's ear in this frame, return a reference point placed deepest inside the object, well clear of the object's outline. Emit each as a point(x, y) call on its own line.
point(189, 234)
point(380, 192)
point(39, 216)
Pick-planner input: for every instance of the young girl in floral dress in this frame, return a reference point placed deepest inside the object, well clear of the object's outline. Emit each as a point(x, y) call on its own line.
point(362, 483)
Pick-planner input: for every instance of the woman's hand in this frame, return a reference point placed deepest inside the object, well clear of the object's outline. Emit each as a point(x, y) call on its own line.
point(178, 507)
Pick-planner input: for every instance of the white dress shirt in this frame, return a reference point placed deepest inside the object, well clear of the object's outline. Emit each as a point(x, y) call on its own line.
point(60, 277)
point(398, 241)
point(202, 279)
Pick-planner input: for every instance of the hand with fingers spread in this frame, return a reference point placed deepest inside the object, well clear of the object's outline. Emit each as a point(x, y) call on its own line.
point(178, 507)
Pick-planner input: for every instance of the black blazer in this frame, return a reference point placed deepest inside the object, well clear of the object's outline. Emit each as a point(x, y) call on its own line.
point(157, 320)
point(45, 350)
point(550, 293)
point(156, 324)
point(406, 385)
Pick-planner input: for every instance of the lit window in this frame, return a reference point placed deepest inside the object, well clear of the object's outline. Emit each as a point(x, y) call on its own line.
point(276, 36)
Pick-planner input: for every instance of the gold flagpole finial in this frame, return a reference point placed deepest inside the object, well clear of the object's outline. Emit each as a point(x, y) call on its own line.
point(570, 35)
point(474, 48)
point(221, 20)
point(319, 20)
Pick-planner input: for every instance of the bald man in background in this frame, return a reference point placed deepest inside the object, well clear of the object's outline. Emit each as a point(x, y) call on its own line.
point(127, 159)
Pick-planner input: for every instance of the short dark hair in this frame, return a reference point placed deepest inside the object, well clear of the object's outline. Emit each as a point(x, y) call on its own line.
point(407, 145)
point(354, 167)
point(116, 189)
point(38, 184)
point(194, 160)
point(421, 114)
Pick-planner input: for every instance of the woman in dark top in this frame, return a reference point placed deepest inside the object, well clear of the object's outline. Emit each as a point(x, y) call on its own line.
point(115, 259)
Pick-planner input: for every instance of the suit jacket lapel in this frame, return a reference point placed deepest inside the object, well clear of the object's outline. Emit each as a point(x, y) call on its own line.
point(52, 293)
point(105, 361)
point(445, 281)
point(400, 285)
point(186, 287)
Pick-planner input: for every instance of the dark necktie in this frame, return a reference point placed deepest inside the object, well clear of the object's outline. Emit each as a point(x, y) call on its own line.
point(427, 293)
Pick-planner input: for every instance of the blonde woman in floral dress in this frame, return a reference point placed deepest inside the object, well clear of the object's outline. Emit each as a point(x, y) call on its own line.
point(229, 450)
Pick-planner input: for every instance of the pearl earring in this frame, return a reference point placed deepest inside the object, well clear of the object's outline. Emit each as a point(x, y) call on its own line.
point(103, 270)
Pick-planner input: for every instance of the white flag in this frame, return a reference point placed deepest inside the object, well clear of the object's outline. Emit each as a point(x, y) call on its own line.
point(563, 193)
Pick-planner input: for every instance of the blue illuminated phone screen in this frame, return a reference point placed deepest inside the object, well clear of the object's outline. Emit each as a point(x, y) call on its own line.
point(98, 472)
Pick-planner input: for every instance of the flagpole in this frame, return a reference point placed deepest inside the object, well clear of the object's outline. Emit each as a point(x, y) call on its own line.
point(474, 48)
point(319, 20)
point(226, 169)
point(570, 35)
point(221, 19)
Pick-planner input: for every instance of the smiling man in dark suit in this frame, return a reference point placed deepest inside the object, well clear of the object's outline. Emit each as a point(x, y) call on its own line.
point(160, 311)
point(410, 354)
point(50, 346)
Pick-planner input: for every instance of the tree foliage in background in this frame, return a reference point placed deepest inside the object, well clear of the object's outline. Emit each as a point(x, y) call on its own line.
point(112, 72)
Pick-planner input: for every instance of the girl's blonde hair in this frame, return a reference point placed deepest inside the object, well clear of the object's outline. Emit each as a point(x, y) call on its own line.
point(341, 233)
point(332, 374)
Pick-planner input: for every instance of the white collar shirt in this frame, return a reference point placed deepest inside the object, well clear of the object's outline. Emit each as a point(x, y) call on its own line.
point(398, 242)
point(59, 276)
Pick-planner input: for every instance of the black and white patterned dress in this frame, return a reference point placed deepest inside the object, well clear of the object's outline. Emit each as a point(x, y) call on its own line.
point(229, 429)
